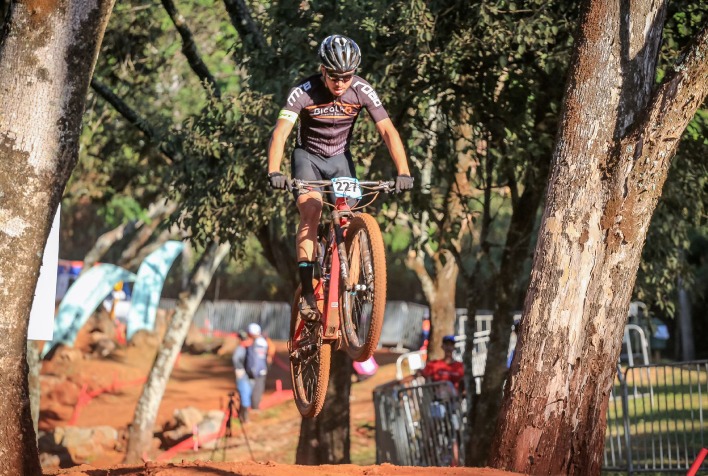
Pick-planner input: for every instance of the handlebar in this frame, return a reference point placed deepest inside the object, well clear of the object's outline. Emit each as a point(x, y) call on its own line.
point(374, 185)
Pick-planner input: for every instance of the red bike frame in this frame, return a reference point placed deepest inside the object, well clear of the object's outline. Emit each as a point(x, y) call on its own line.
point(331, 308)
point(330, 314)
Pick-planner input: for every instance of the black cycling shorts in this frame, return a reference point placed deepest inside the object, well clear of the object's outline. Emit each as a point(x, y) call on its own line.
point(307, 166)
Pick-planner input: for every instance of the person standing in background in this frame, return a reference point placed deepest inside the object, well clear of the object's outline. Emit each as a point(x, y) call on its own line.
point(250, 360)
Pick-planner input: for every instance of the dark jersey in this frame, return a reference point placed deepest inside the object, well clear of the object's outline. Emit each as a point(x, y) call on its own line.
point(326, 121)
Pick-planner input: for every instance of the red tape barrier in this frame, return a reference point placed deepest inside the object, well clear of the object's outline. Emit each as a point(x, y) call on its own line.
point(85, 396)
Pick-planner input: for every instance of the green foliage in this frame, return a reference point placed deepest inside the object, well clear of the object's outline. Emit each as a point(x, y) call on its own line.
point(438, 66)
point(679, 220)
point(218, 178)
point(680, 217)
point(121, 208)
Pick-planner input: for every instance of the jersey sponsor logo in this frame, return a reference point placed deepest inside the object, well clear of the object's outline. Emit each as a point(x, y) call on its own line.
point(336, 110)
point(369, 91)
point(298, 91)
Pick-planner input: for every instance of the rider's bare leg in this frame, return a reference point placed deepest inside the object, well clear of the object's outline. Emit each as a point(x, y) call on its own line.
point(310, 206)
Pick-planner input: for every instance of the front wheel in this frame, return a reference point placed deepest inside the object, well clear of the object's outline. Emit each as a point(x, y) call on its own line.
point(364, 299)
point(309, 362)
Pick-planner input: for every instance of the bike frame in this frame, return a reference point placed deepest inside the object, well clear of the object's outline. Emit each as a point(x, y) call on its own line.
point(328, 288)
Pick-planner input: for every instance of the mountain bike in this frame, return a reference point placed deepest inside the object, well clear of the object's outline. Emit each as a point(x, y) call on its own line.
point(350, 289)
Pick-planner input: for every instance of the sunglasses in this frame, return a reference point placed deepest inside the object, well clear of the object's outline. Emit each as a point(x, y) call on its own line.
point(345, 78)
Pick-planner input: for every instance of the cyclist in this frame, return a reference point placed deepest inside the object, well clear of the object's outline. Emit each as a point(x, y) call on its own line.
point(327, 104)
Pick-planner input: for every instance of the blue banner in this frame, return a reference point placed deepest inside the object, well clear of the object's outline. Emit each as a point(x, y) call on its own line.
point(82, 298)
point(148, 287)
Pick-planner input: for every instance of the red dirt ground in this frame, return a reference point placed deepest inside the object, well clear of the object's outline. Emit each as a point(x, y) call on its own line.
point(204, 381)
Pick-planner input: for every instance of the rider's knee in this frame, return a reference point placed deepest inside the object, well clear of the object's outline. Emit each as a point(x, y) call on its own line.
point(310, 207)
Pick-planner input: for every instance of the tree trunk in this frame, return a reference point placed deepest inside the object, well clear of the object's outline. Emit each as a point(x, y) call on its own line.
point(156, 212)
point(439, 291)
point(47, 55)
point(610, 163)
point(507, 284)
point(685, 325)
point(140, 432)
point(325, 439)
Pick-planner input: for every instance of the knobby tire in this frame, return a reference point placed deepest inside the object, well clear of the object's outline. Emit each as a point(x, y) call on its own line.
point(363, 311)
point(309, 378)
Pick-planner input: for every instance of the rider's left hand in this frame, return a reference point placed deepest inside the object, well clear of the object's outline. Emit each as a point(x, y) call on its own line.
point(403, 182)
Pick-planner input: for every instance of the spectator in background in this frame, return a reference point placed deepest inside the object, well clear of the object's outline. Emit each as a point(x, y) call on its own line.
point(250, 361)
point(447, 368)
point(425, 334)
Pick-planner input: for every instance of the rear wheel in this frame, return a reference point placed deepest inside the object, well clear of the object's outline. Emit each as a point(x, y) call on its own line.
point(309, 362)
point(364, 299)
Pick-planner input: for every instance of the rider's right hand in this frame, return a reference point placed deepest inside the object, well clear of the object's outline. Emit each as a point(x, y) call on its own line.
point(278, 181)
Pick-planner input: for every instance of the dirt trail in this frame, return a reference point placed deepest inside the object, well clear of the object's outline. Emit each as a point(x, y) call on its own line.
point(204, 381)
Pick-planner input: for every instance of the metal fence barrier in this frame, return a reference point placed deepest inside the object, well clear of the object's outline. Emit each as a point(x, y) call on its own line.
point(419, 425)
point(657, 421)
point(657, 418)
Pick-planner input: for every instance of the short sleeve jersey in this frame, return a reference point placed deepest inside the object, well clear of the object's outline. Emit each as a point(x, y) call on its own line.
point(439, 370)
point(326, 121)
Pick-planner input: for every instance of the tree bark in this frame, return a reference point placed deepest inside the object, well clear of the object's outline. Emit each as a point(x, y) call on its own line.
point(611, 159)
point(140, 432)
point(325, 439)
point(47, 55)
point(439, 291)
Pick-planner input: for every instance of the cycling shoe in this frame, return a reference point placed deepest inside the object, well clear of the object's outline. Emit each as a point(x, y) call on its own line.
point(308, 308)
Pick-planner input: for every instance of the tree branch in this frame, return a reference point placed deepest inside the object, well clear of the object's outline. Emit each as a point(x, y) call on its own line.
point(132, 117)
point(242, 20)
point(126, 111)
point(105, 241)
point(415, 263)
point(189, 49)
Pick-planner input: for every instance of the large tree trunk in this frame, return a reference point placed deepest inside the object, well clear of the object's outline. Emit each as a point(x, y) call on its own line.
point(47, 55)
point(610, 163)
point(140, 432)
point(325, 439)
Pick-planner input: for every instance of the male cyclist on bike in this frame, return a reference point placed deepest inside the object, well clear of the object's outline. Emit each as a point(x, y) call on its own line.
point(327, 104)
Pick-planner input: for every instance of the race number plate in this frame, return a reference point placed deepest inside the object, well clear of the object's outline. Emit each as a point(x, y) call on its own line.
point(346, 187)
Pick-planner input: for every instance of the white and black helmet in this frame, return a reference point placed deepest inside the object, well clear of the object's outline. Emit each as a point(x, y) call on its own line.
point(339, 54)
